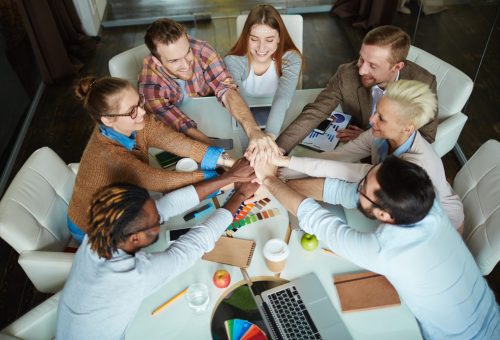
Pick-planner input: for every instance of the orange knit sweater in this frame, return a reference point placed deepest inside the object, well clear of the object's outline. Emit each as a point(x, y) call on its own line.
point(105, 161)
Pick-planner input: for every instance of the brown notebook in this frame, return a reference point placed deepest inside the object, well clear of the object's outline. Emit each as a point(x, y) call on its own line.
point(364, 291)
point(232, 251)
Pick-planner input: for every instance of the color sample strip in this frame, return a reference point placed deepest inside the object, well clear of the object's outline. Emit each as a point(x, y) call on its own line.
point(263, 215)
point(238, 329)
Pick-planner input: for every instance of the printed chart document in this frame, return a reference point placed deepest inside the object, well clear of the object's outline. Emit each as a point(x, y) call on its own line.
point(328, 140)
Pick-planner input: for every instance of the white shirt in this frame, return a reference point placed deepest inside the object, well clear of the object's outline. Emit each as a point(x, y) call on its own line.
point(101, 296)
point(264, 85)
point(428, 264)
point(377, 93)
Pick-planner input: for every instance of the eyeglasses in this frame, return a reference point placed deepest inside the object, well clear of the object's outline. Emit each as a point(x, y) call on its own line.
point(156, 224)
point(360, 187)
point(132, 113)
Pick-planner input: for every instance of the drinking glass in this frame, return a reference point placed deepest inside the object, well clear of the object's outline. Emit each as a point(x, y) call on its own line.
point(198, 298)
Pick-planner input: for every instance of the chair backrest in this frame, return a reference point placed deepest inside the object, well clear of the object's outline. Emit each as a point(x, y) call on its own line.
point(38, 323)
point(294, 24)
point(453, 86)
point(477, 183)
point(34, 207)
point(127, 64)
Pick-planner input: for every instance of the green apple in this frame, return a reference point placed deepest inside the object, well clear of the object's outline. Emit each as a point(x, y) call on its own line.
point(309, 242)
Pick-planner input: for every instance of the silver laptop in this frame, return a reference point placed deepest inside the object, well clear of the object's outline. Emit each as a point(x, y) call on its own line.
point(301, 309)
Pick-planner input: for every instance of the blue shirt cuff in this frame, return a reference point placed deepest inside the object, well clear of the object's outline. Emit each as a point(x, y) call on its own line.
point(209, 161)
point(208, 174)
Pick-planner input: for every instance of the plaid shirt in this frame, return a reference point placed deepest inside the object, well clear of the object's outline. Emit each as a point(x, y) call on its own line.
point(162, 92)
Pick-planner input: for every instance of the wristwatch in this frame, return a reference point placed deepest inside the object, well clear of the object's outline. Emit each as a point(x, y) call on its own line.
point(225, 156)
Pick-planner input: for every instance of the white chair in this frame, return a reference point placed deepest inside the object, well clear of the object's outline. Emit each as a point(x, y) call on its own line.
point(127, 64)
point(38, 324)
point(477, 183)
point(33, 218)
point(294, 24)
point(453, 90)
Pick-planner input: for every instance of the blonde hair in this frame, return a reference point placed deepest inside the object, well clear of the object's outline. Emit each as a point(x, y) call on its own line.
point(417, 103)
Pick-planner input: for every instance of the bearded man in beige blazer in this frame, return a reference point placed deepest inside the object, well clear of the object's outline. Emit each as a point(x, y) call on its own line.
point(357, 86)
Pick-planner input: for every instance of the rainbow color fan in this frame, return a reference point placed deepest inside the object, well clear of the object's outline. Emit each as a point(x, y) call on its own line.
point(237, 329)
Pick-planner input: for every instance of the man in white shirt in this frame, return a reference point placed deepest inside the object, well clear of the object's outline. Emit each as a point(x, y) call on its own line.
point(111, 274)
point(415, 245)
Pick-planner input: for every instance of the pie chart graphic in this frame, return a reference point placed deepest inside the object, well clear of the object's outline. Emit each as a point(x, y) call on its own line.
point(338, 118)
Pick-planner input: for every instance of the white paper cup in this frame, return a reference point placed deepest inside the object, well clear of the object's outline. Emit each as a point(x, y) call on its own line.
point(186, 165)
point(275, 253)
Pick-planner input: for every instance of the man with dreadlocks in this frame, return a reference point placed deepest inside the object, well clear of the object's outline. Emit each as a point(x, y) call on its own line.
point(111, 275)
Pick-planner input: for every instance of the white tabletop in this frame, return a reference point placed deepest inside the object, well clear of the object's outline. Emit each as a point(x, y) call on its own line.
point(177, 321)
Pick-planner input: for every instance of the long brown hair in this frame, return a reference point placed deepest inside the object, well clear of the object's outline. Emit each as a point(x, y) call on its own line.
point(267, 15)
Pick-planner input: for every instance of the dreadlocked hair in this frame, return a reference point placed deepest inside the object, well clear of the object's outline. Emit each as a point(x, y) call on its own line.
point(112, 211)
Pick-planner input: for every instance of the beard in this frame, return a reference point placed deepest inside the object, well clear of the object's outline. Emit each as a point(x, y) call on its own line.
point(367, 212)
point(368, 82)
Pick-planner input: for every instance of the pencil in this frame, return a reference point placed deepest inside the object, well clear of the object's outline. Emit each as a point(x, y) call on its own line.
point(165, 304)
point(328, 251)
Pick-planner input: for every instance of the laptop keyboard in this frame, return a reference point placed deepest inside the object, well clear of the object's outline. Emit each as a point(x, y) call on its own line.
point(292, 315)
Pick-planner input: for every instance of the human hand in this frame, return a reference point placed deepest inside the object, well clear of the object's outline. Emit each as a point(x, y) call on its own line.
point(349, 133)
point(261, 193)
point(280, 160)
point(247, 190)
point(264, 167)
point(241, 171)
point(260, 144)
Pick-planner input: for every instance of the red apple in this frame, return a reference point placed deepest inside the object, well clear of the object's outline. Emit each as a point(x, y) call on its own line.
point(222, 279)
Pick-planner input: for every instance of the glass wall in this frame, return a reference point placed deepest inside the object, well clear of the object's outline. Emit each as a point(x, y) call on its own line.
point(19, 78)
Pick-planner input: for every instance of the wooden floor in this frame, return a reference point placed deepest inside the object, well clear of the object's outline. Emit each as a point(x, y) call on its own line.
point(457, 36)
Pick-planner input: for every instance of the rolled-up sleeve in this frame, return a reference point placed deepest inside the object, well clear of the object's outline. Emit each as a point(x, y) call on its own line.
point(215, 72)
point(336, 191)
point(360, 248)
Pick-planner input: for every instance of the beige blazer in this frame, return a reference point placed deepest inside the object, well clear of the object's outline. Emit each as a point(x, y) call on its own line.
point(337, 164)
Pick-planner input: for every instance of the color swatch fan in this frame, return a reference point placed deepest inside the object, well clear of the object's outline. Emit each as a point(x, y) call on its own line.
point(237, 329)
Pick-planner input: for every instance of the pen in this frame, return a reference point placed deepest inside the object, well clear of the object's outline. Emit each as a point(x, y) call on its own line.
point(165, 304)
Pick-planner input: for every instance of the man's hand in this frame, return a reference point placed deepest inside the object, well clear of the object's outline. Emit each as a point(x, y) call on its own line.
point(261, 193)
point(247, 189)
point(241, 171)
point(242, 192)
point(264, 167)
point(348, 134)
point(260, 144)
point(280, 160)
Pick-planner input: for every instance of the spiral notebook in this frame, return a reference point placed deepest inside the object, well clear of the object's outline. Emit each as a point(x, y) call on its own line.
point(364, 291)
point(232, 251)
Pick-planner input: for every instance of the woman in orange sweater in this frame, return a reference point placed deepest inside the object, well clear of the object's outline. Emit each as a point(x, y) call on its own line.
point(118, 148)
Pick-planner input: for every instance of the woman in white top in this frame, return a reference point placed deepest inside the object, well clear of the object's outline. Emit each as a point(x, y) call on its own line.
point(406, 106)
point(265, 62)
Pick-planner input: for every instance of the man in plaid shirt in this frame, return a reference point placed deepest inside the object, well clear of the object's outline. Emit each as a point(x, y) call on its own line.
point(181, 66)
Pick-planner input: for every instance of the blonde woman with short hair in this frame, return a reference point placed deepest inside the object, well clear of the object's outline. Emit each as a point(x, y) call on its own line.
point(406, 106)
